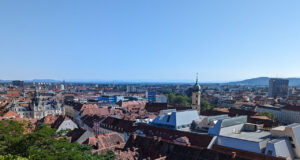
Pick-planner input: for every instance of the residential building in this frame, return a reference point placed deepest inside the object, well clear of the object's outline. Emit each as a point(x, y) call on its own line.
point(18, 83)
point(178, 120)
point(63, 123)
point(152, 97)
point(291, 135)
point(278, 87)
point(107, 98)
point(285, 115)
point(161, 98)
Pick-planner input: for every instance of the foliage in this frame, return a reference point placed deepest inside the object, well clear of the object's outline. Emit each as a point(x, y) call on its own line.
point(11, 157)
point(205, 105)
point(184, 100)
point(179, 99)
point(41, 143)
point(268, 114)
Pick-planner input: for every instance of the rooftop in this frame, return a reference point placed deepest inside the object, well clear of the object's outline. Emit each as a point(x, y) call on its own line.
point(257, 136)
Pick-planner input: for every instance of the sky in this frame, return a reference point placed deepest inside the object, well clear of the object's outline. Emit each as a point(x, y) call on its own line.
point(149, 40)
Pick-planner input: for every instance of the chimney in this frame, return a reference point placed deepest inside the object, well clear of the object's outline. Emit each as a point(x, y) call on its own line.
point(233, 155)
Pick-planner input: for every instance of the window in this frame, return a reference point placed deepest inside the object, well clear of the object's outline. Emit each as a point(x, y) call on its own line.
point(290, 138)
point(293, 146)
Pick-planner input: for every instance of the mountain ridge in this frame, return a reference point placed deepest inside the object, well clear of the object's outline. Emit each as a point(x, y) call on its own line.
point(264, 81)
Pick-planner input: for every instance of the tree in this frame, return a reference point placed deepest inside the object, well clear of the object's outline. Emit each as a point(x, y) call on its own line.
point(205, 105)
point(11, 157)
point(268, 114)
point(179, 99)
point(41, 143)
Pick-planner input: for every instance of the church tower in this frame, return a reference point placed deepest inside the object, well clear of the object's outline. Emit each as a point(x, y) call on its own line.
point(196, 96)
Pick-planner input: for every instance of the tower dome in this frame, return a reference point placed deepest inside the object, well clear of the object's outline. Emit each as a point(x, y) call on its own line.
point(196, 87)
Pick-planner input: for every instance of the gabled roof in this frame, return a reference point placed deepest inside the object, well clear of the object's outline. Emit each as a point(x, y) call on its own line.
point(90, 119)
point(196, 140)
point(59, 121)
point(156, 107)
point(76, 134)
point(9, 114)
point(106, 141)
point(126, 125)
point(95, 110)
point(49, 119)
point(153, 148)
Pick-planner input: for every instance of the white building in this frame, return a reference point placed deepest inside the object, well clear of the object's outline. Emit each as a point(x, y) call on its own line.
point(291, 133)
point(285, 115)
point(177, 120)
point(161, 98)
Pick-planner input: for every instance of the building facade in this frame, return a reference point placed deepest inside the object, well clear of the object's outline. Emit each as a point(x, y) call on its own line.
point(152, 97)
point(278, 87)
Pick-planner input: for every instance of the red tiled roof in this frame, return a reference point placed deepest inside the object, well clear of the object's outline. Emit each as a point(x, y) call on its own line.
point(155, 148)
point(107, 141)
point(10, 114)
point(93, 109)
point(197, 140)
point(76, 134)
point(49, 119)
point(118, 124)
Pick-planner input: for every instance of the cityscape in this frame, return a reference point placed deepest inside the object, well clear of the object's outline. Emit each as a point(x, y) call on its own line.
point(163, 121)
point(149, 80)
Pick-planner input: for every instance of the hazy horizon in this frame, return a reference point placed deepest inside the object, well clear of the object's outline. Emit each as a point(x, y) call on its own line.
point(138, 80)
point(153, 40)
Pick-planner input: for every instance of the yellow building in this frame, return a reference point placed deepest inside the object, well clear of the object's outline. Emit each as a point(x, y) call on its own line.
point(196, 96)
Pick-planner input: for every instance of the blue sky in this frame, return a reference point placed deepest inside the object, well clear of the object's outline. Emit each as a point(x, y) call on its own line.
point(149, 39)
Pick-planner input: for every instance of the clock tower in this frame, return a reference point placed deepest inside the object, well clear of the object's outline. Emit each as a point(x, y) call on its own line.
point(196, 96)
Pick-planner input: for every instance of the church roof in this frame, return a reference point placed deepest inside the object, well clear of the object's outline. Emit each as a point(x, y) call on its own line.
point(196, 87)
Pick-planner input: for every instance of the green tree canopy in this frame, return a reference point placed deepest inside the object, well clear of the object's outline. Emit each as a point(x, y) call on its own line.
point(42, 143)
point(268, 114)
point(179, 99)
point(205, 105)
point(184, 100)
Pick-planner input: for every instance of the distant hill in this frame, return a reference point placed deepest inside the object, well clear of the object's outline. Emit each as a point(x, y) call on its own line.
point(34, 80)
point(264, 81)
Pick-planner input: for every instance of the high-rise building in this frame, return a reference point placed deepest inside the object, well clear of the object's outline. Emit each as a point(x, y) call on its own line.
point(130, 89)
point(196, 96)
point(152, 97)
point(278, 87)
point(18, 83)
